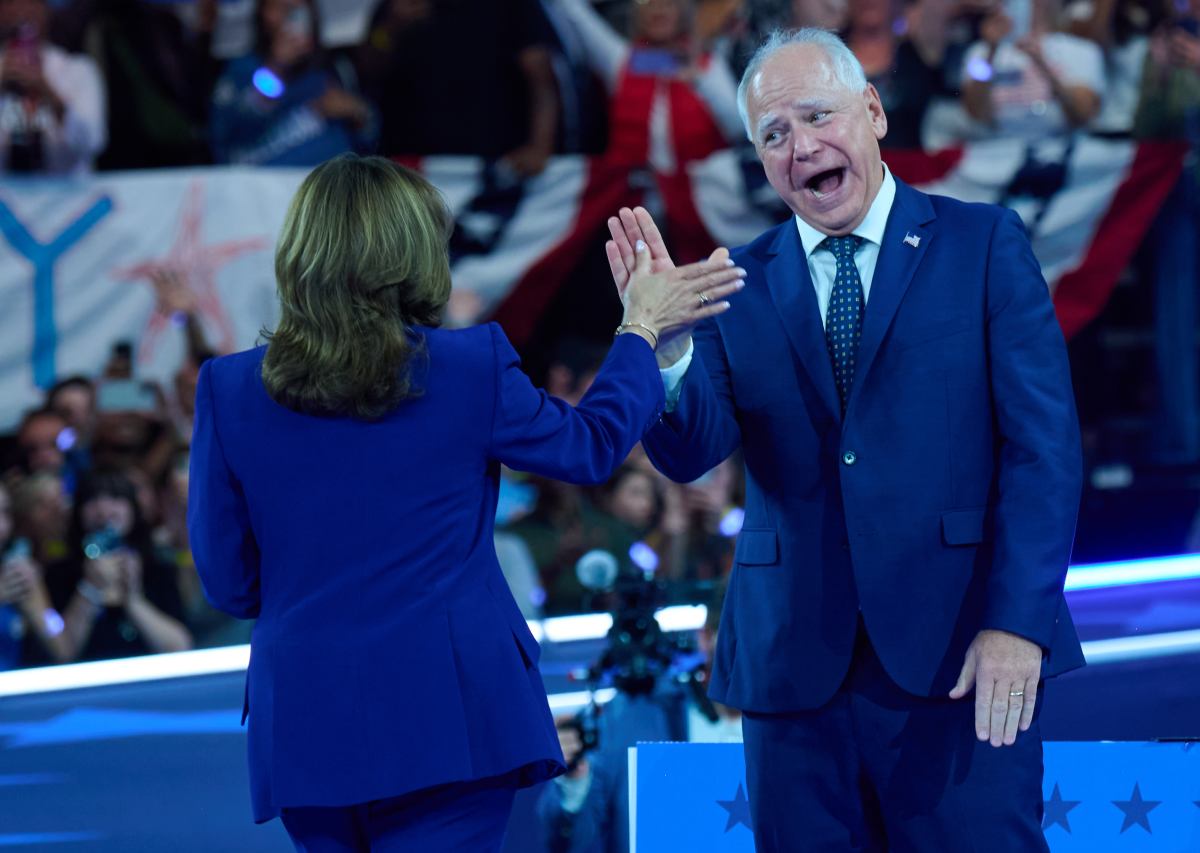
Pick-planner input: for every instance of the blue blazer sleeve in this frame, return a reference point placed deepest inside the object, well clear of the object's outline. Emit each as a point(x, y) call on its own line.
point(702, 430)
point(532, 431)
point(1040, 466)
point(223, 544)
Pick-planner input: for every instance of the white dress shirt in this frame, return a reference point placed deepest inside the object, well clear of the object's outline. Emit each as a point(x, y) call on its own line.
point(822, 268)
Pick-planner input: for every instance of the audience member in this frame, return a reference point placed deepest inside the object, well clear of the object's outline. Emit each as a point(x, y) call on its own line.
point(160, 75)
point(427, 63)
point(905, 59)
point(41, 441)
point(51, 102)
point(42, 507)
point(1169, 110)
point(672, 102)
point(287, 103)
point(74, 400)
point(1121, 28)
point(699, 523)
point(116, 595)
point(1029, 80)
point(26, 616)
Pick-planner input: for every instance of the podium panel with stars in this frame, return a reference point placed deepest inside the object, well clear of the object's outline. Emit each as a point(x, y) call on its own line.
point(1136, 797)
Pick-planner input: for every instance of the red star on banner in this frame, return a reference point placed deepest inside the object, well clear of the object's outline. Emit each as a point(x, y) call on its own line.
point(197, 264)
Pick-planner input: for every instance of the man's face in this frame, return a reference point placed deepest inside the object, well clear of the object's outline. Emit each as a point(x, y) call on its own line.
point(22, 13)
point(38, 441)
point(817, 139)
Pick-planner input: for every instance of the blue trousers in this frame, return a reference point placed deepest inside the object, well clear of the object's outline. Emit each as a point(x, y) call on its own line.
point(468, 817)
point(878, 769)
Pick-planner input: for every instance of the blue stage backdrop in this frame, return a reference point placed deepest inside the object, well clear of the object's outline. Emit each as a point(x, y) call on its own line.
point(1099, 797)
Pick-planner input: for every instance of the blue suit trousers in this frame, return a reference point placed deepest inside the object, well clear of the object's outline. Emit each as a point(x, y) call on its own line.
point(878, 769)
point(467, 817)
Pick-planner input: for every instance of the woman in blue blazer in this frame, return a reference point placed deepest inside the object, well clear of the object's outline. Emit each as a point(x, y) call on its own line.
point(343, 487)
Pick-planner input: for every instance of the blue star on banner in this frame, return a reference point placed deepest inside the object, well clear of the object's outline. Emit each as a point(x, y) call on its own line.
point(1057, 809)
point(1137, 810)
point(738, 808)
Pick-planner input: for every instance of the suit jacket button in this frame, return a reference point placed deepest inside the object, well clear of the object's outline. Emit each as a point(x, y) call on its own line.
point(849, 457)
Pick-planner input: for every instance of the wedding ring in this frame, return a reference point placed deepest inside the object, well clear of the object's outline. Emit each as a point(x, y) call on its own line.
point(1016, 693)
point(704, 300)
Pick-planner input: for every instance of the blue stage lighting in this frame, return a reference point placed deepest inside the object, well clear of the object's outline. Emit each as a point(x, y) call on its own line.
point(1129, 572)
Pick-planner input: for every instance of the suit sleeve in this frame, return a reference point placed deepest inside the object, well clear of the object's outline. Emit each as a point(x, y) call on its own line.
point(1040, 467)
point(702, 430)
point(223, 544)
point(532, 431)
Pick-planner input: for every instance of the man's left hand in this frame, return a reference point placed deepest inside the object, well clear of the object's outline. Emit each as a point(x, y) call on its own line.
point(1005, 670)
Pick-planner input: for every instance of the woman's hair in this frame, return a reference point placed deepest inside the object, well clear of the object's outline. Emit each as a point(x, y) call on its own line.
point(361, 259)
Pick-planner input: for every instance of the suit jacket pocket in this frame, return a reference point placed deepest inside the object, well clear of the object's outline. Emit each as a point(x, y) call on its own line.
point(757, 547)
point(965, 526)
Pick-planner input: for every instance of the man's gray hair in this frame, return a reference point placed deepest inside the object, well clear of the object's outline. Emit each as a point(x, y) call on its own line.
point(846, 67)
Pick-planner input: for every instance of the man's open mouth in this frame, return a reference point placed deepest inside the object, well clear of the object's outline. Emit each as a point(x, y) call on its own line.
point(825, 183)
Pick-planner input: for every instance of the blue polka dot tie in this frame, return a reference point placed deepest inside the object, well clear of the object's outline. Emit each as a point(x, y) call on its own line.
point(843, 318)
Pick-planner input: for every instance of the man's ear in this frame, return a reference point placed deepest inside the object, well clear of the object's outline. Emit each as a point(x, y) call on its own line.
point(875, 111)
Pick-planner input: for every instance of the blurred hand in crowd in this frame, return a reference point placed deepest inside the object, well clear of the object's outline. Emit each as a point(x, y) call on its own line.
point(129, 565)
point(108, 577)
point(337, 104)
point(1183, 48)
point(17, 578)
point(172, 291)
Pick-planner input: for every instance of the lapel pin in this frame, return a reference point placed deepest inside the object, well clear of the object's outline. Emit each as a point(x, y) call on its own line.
point(912, 240)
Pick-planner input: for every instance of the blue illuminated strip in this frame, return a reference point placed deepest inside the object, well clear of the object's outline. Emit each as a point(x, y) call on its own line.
point(1130, 572)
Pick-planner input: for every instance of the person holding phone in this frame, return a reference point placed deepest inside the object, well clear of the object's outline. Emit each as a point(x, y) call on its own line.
point(343, 491)
point(1169, 110)
point(118, 598)
point(52, 103)
point(1027, 79)
point(672, 101)
point(287, 103)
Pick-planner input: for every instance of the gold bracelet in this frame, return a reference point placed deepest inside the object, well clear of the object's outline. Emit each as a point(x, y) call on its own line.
point(645, 328)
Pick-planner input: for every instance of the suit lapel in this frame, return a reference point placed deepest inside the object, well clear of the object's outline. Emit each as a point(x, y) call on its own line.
point(796, 301)
point(898, 260)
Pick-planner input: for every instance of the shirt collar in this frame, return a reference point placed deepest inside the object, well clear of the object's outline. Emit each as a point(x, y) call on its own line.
point(871, 228)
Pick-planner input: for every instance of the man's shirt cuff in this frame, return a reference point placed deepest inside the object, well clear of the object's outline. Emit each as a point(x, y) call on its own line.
point(673, 377)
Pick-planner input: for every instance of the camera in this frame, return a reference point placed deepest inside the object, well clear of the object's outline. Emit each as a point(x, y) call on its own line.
point(638, 655)
point(101, 542)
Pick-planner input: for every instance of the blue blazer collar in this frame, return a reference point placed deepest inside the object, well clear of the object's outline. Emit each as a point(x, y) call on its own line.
point(910, 221)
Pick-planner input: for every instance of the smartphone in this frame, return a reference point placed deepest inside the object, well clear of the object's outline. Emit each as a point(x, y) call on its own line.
point(654, 61)
point(125, 395)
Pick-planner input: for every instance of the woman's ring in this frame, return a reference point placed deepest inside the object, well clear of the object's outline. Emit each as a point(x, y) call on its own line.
point(704, 300)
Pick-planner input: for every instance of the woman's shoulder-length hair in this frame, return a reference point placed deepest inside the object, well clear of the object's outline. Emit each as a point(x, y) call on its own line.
point(361, 260)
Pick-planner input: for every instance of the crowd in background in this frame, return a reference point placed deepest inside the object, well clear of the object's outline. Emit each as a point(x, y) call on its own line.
point(93, 539)
point(123, 84)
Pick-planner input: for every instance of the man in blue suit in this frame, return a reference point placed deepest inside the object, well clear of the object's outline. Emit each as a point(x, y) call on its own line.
point(896, 379)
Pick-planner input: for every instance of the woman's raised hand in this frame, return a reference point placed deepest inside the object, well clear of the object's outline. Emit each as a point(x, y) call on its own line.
point(671, 301)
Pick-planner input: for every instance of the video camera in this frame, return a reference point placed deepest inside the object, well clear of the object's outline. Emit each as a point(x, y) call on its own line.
point(639, 654)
